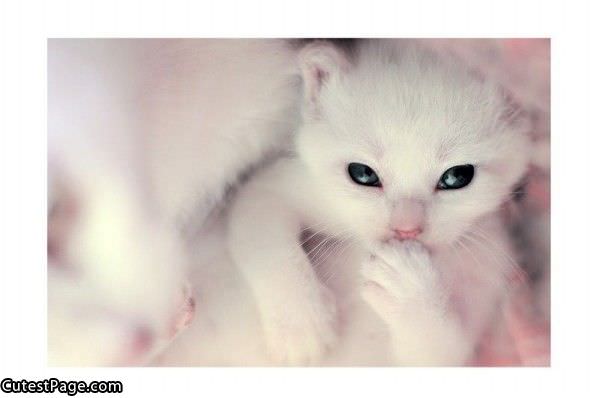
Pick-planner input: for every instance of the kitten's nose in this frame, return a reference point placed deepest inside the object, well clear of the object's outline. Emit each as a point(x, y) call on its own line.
point(407, 234)
point(407, 219)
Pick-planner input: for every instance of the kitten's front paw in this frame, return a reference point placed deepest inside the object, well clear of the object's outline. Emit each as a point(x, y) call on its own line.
point(299, 332)
point(398, 275)
point(184, 313)
point(400, 255)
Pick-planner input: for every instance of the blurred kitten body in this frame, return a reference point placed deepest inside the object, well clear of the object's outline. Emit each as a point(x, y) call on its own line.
point(145, 137)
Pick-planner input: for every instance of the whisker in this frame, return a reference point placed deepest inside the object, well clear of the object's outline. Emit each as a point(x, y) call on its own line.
point(338, 244)
point(332, 271)
point(512, 265)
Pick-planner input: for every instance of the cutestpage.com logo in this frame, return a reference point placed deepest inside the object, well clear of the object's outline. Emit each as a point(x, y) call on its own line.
point(53, 385)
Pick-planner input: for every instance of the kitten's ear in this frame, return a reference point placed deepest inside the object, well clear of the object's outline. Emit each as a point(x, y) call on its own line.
point(320, 61)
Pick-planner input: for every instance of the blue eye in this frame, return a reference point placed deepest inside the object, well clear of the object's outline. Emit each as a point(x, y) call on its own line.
point(456, 177)
point(363, 174)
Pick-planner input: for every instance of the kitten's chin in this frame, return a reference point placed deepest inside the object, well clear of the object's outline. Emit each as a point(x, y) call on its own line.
point(390, 240)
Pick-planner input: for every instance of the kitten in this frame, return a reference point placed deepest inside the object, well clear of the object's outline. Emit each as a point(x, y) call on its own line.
point(144, 138)
point(408, 158)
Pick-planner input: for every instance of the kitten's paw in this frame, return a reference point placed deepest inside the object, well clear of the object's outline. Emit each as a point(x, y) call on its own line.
point(184, 313)
point(398, 275)
point(408, 254)
point(299, 332)
point(147, 344)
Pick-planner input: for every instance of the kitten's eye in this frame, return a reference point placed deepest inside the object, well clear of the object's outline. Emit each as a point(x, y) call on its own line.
point(456, 177)
point(363, 175)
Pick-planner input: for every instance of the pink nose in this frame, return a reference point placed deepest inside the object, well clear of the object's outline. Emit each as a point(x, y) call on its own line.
point(410, 234)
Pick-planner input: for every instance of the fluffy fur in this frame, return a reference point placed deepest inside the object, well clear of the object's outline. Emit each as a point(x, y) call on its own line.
point(145, 137)
point(410, 117)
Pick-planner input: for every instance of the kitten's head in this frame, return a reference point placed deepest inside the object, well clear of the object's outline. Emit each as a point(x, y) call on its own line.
point(404, 146)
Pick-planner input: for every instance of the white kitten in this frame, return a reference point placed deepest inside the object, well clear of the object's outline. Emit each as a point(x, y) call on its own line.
point(409, 159)
point(145, 136)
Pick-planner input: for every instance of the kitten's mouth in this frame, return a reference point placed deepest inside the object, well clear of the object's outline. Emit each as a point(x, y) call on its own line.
point(391, 239)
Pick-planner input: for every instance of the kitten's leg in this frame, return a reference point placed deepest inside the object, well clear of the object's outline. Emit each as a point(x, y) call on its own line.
point(403, 287)
point(297, 311)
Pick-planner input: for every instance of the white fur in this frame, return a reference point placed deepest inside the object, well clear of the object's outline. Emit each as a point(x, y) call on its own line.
point(145, 136)
point(410, 117)
point(213, 108)
point(148, 135)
